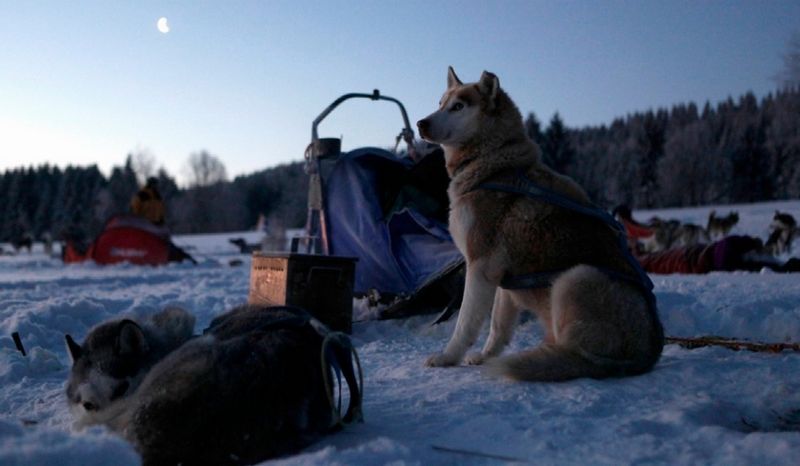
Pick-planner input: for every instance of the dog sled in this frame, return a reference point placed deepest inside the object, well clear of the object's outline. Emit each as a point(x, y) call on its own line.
point(387, 209)
point(127, 238)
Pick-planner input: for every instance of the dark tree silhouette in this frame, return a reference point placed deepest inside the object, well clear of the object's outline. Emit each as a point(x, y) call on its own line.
point(204, 169)
point(556, 148)
point(789, 76)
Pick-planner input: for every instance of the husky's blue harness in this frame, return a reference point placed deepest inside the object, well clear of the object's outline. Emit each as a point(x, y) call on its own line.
point(520, 184)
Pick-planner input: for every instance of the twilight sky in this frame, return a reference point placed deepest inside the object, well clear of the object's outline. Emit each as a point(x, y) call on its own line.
point(85, 82)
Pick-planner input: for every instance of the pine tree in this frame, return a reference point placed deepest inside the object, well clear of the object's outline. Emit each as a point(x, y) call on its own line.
point(650, 139)
point(534, 129)
point(556, 151)
point(789, 76)
point(122, 185)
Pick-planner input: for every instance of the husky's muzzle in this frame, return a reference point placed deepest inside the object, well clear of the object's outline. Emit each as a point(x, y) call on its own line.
point(424, 126)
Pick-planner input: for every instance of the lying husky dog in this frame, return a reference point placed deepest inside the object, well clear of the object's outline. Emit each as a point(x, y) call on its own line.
point(525, 253)
point(251, 388)
point(116, 356)
point(670, 234)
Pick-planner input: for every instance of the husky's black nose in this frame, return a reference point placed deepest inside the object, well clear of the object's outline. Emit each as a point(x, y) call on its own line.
point(423, 125)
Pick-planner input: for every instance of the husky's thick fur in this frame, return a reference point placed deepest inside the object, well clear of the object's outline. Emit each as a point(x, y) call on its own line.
point(251, 388)
point(689, 234)
point(674, 234)
point(782, 231)
point(595, 326)
point(719, 227)
point(116, 356)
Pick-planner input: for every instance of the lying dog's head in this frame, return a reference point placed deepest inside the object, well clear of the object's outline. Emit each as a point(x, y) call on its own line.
point(108, 365)
point(783, 221)
point(461, 110)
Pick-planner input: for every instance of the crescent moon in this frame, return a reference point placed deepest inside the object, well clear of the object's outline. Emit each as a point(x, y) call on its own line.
point(162, 25)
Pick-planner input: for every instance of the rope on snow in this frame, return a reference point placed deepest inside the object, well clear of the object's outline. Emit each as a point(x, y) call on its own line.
point(510, 459)
point(732, 344)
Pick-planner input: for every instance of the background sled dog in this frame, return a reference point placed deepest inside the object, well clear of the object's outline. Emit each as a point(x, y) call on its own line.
point(23, 241)
point(782, 232)
point(719, 227)
point(597, 324)
point(674, 234)
point(251, 388)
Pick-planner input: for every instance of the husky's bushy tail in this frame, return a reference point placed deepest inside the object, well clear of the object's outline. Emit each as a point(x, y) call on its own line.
point(605, 328)
point(553, 363)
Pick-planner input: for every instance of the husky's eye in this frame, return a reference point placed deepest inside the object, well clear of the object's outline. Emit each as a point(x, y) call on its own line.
point(456, 107)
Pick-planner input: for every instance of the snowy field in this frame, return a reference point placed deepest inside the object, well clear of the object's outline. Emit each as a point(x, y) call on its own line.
point(702, 406)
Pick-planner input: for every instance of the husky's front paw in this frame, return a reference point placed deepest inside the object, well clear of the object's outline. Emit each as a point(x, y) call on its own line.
point(441, 360)
point(475, 359)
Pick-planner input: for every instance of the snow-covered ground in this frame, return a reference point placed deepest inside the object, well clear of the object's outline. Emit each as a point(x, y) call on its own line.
point(703, 406)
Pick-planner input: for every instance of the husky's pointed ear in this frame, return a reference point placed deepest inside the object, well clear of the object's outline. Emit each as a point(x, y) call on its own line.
point(131, 339)
point(452, 79)
point(488, 86)
point(73, 348)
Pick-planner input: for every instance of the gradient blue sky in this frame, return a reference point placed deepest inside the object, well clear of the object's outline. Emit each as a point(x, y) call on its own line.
point(89, 81)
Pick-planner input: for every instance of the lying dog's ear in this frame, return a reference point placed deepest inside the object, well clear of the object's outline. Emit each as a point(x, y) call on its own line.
point(73, 348)
point(130, 340)
point(488, 86)
point(452, 79)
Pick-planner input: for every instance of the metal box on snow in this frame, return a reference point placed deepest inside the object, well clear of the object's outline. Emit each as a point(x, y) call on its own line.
point(323, 285)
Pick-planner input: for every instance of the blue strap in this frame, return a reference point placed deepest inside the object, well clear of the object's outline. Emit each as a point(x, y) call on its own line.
point(530, 189)
point(530, 280)
point(524, 186)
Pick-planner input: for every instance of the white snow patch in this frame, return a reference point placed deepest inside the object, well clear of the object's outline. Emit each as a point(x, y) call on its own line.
point(704, 406)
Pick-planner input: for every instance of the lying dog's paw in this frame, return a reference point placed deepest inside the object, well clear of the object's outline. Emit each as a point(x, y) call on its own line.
point(441, 360)
point(475, 359)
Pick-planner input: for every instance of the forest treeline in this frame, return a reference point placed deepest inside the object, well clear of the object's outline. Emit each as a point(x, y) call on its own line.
point(737, 151)
point(742, 150)
point(79, 200)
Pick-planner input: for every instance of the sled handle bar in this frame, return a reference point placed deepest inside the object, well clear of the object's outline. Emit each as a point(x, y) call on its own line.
point(407, 134)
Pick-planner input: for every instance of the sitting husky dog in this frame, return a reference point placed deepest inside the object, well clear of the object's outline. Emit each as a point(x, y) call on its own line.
point(251, 388)
point(598, 320)
point(719, 227)
point(782, 231)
